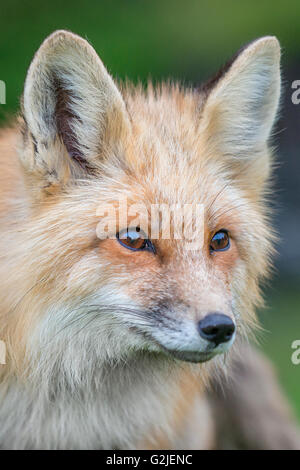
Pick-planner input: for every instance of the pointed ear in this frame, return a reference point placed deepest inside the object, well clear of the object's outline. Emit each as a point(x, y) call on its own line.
point(71, 108)
point(241, 106)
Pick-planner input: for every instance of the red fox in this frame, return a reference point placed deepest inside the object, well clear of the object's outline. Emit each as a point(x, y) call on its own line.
point(119, 341)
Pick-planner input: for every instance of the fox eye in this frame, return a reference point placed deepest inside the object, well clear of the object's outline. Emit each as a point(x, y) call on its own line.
point(135, 239)
point(220, 241)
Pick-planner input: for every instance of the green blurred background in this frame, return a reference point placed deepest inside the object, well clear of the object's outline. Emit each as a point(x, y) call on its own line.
point(187, 40)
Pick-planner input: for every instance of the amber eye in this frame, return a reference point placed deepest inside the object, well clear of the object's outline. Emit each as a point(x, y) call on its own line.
point(135, 239)
point(220, 241)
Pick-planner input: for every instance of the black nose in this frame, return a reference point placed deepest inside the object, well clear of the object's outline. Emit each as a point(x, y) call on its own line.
point(216, 327)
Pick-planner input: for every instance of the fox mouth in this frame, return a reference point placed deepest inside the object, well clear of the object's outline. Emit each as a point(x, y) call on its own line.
point(191, 356)
point(195, 356)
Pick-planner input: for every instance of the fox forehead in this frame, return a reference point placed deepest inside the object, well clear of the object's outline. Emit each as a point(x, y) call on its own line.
point(165, 130)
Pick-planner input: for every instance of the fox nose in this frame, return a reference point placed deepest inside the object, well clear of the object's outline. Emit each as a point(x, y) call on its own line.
point(216, 328)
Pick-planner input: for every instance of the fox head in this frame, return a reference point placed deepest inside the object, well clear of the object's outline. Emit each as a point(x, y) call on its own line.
point(88, 145)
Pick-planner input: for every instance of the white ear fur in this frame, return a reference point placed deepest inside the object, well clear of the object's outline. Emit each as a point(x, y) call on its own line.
point(69, 94)
point(241, 108)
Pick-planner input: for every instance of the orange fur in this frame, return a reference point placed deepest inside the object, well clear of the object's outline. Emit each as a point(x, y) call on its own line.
point(82, 144)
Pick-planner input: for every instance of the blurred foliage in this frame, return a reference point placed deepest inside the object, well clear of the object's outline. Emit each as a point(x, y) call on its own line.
point(186, 40)
point(141, 38)
point(281, 323)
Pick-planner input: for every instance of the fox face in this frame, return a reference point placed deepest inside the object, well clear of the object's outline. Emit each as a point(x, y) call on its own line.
point(92, 155)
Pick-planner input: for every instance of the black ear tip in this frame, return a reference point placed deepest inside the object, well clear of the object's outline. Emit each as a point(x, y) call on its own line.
point(210, 84)
point(270, 42)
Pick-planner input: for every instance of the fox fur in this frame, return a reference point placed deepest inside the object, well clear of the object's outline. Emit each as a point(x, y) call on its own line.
point(101, 341)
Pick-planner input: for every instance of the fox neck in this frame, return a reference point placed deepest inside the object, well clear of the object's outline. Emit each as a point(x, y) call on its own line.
point(119, 405)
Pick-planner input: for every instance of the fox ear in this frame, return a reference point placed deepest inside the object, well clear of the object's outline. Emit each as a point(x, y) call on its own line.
point(71, 108)
point(241, 106)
